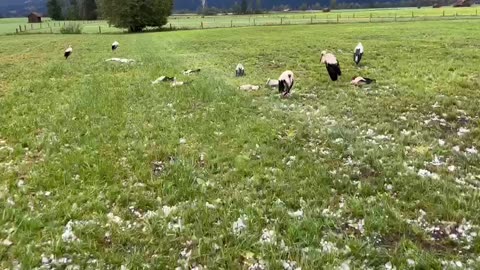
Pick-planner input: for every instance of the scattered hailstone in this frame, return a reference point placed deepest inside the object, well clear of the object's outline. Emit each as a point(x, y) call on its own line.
point(389, 266)
point(297, 214)
point(68, 236)
point(176, 225)
point(268, 237)
point(167, 210)
point(258, 266)
point(405, 132)
point(472, 150)
point(389, 187)
point(456, 148)
point(7, 243)
point(183, 141)
point(451, 168)
point(20, 183)
point(441, 142)
point(411, 262)
point(344, 266)
point(210, 206)
point(239, 226)
point(462, 131)
point(427, 174)
point(290, 265)
point(113, 218)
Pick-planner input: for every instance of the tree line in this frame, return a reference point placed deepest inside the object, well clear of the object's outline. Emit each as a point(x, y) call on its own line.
point(72, 9)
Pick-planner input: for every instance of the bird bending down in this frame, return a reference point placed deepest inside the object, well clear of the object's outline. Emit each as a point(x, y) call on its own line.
point(359, 81)
point(68, 52)
point(333, 66)
point(285, 82)
point(115, 45)
point(358, 53)
point(239, 70)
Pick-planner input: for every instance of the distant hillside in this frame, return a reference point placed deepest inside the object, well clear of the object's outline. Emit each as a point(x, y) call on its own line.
point(17, 8)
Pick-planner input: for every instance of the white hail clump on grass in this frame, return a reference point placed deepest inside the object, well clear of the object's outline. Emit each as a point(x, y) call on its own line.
point(290, 265)
point(436, 161)
point(338, 141)
point(239, 226)
point(296, 214)
point(389, 266)
point(268, 236)
point(451, 168)
point(411, 262)
point(358, 225)
point(20, 183)
point(7, 242)
point(456, 148)
point(10, 201)
point(441, 142)
point(210, 206)
point(388, 187)
point(260, 265)
point(176, 224)
point(472, 150)
point(405, 132)
point(344, 266)
point(150, 214)
point(462, 131)
point(167, 210)
point(328, 247)
point(427, 174)
point(68, 235)
point(182, 141)
point(436, 105)
point(114, 219)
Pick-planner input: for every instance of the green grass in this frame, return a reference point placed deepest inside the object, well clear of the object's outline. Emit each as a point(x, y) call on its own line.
point(78, 139)
point(8, 26)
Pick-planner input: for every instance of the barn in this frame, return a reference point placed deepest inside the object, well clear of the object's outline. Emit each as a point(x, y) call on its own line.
point(34, 17)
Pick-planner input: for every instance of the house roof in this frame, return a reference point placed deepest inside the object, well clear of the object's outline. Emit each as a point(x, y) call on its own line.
point(35, 14)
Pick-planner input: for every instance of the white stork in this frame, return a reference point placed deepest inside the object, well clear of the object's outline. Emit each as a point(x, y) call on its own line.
point(332, 64)
point(115, 45)
point(240, 70)
point(358, 53)
point(68, 52)
point(359, 81)
point(285, 82)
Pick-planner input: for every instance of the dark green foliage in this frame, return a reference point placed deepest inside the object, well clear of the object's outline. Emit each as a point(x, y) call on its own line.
point(89, 9)
point(54, 10)
point(135, 15)
point(71, 28)
point(243, 7)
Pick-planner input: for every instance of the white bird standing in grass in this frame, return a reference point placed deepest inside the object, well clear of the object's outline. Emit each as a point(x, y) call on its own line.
point(240, 70)
point(115, 45)
point(285, 82)
point(359, 81)
point(332, 64)
point(68, 52)
point(358, 53)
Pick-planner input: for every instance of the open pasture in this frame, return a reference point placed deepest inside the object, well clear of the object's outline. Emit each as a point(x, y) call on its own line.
point(8, 26)
point(100, 169)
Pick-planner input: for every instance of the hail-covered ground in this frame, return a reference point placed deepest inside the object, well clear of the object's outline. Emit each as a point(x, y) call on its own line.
point(100, 169)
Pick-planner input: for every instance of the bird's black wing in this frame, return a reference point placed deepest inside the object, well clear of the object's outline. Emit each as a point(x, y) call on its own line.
point(332, 71)
point(368, 81)
point(281, 86)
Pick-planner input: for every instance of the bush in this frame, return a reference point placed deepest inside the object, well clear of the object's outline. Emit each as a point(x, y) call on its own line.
point(71, 28)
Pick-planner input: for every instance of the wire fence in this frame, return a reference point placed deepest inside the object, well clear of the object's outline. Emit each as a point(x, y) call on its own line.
point(228, 21)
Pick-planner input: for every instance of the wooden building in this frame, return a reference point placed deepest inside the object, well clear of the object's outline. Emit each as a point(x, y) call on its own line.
point(34, 17)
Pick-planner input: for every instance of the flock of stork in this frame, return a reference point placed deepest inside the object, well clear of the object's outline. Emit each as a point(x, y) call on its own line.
point(286, 80)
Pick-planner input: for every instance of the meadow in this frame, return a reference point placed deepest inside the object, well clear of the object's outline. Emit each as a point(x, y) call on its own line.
point(193, 21)
point(100, 169)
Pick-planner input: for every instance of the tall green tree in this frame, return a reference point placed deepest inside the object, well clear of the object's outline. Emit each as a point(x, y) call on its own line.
point(244, 6)
point(54, 10)
point(90, 10)
point(135, 15)
point(73, 12)
point(333, 4)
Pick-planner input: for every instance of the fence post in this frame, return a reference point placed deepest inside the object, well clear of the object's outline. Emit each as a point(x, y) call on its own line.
point(170, 26)
point(231, 23)
point(41, 25)
point(51, 30)
point(20, 27)
point(254, 22)
point(201, 25)
point(395, 16)
point(337, 18)
point(25, 26)
point(16, 30)
point(444, 13)
point(281, 20)
point(476, 12)
point(354, 15)
point(370, 17)
point(31, 26)
point(412, 14)
point(311, 20)
point(99, 29)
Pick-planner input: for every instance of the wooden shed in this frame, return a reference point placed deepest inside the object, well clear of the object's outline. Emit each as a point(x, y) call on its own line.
point(34, 17)
point(462, 3)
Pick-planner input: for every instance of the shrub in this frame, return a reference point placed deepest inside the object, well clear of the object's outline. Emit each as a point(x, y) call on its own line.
point(71, 28)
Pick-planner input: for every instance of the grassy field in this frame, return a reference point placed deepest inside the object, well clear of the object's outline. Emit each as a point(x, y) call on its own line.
point(101, 169)
point(8, 26)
